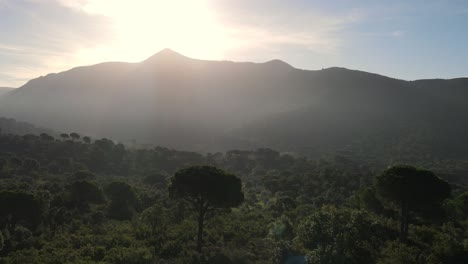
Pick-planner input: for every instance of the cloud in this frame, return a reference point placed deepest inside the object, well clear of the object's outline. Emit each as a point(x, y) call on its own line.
point(267, 27)
point(42, 36)
point(53, 35)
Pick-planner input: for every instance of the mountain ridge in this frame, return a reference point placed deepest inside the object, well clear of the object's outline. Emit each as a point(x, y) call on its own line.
point(168, 53)
point(176, 101)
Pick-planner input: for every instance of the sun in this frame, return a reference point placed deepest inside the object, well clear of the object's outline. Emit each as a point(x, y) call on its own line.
point(143, 27)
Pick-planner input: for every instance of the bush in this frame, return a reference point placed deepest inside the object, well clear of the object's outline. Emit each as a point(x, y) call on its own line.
point(122, 255)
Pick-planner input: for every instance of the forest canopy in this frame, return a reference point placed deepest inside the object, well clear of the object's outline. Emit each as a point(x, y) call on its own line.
point(74, 199)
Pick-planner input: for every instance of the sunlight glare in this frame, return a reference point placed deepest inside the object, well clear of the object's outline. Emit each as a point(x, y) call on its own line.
point(144, 27)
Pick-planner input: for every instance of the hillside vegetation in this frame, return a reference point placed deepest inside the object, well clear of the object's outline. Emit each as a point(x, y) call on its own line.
point(77, 200)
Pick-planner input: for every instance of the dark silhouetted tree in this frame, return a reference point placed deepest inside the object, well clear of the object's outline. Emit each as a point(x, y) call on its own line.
point(123, 200)
point(75, 136)
point(87, 140)
point(204, 188)
point(19, 207)
point(64, 136)
point(46, 137)
point(82, 193)
point(411, 189)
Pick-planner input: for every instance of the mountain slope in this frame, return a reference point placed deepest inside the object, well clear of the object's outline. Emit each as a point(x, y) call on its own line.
point(167, 99)
point(11, 126)
point(4, 90)
point(175, 101)
point(374, 115)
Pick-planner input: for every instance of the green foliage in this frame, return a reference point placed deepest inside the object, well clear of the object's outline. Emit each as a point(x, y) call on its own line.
point(2, 241)
point(84, 175)
point(205, 188)
point(156, 179)
point(61, 201)
point(207, 185)
point(368, 200)
point(411, 189)
point(123, 200)
point(30, 165)
point(123, 255)
point(397, 253)
point(416, 187)
point(332, 235)
point(458, 206)
point(82, 193)
point(120, 211)
point(156, 217)
point(447, 245)
point(19, 207)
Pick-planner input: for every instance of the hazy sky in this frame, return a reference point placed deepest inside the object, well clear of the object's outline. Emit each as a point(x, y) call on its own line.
point(404, 39)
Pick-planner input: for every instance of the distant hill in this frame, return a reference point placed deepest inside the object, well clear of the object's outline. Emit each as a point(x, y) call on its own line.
point(179, 102)
point(4, 90)
point(11, 126)
point(372, 115)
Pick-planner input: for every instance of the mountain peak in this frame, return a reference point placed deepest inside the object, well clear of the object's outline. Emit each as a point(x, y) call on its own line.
point(278, 64)
point(166, 54)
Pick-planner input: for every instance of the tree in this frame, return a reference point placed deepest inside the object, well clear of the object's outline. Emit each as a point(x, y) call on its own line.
point(123, 200)
point(368, 200)
point(83, 175)
point(19, 207)
point(75, 136)
point(64, 136)
point(31, 165)
point(87, 139)
point(399, 253)
point(3, 162)
point(46, 137)
point(83, 192)
point(156, 179)
point(411, 189)
point(203, 189)
point(457, 206)
point(155, 216)
point(332, 235)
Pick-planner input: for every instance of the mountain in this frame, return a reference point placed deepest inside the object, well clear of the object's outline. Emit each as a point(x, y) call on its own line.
point(372, 115)
point(4, 90)
point(185, 103)
point(11, 126)
point(167, 99)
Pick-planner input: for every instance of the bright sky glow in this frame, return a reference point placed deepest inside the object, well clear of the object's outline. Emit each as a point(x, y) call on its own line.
point(402, 39)
point(143, 27)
